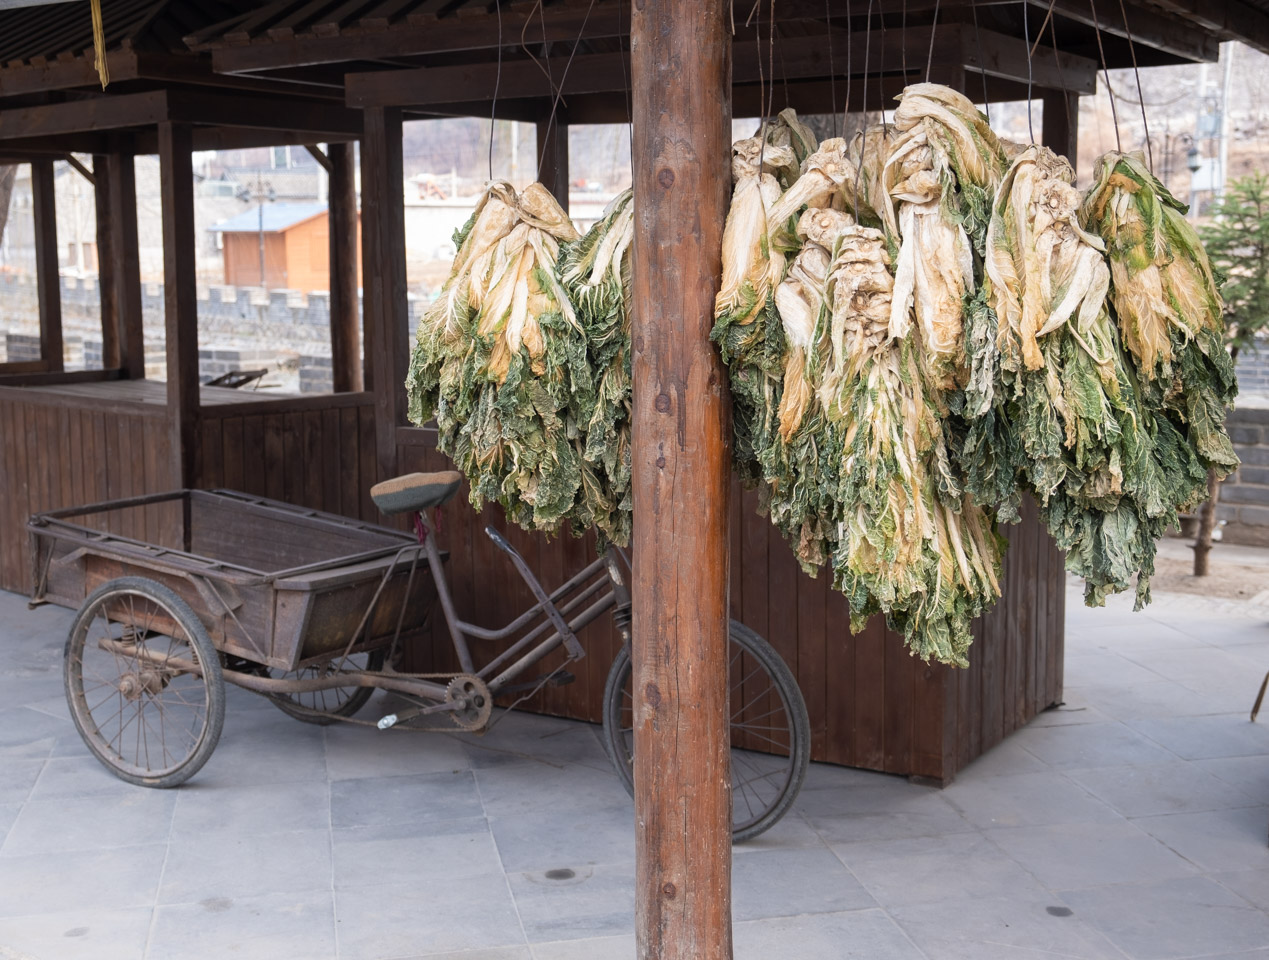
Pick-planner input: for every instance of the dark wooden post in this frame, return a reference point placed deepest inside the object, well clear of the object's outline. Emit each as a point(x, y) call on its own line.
point(383, 276)
point(106, 289)
point(1060, 125)
point(553, 149)
point(48, 281)
point(125, 263)
point(681, 70)
point(344, 320)
point(180, 299)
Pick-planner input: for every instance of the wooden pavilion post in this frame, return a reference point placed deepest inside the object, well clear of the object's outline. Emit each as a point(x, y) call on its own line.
point(681, 70)
point(344, 321)
point(553, 149)
point(125, 263)
point(48, 280)
point(180, 299)
point(1060, 125)
point(383, 276)
point(107, 289)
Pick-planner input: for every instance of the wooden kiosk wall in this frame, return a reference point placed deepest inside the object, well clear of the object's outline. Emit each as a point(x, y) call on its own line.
point(871, 704)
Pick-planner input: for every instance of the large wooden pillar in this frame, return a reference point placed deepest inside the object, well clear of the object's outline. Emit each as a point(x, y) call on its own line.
point(1060, 124)
point(681, 72)
point(48, 280)
point(553, 149)
point(344, 321)
point(180, 299)
point(125, 262)
point(383, 276)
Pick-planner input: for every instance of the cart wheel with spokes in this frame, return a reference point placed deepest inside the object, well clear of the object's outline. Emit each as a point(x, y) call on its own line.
point(144, 683)
point(770, 731)
point(324, 707)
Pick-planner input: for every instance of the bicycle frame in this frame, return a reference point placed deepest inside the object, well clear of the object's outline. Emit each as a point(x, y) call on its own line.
point(529, 649)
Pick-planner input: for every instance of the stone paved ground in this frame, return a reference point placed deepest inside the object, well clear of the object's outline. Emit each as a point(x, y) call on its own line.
point(1131, 823)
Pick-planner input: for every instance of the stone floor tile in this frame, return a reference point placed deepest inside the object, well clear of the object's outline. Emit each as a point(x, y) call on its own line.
point(522, 736)
point(829, 776)
point(1142, 791)
point(890, 812)
point(1086, 854)
point(1104, 668)
point(1251, 885)
point(1215, 840)
point(366, 856)
point(929, 869)
point(1205, 738)
point(1006, 759)
point(94, 934)
point(18, 778)
point(1164, 919)
point(1090, 745)
point(30, 734)
point(1026, 800)
point(544, 841)
point(1163, 698)
point(426, 914)
point(1248, 774)
point(1002, 929)
point(857, 935)
point(8, 814)
point(278, 926)
point(792, 830)
point(779, 883)
point(79, 776)
point(1205, 669)
point(218, 866)
point(509, 789)
point(357, 752)
point(250, 808)
point(91, 823)
point(602, 948)
point(377, 801)
point(266, 747)
point(80, 880)
point(595, 901)
point(497, 953)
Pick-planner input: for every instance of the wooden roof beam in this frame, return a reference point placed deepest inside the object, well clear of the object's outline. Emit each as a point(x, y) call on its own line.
point(1229, 18)
point(1149, 28)
point(223, 110)
point(81, 116)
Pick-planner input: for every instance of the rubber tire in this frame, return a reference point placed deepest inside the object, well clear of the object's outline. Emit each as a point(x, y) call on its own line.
point(785, 684)
point(360, 697)
point(207, 654)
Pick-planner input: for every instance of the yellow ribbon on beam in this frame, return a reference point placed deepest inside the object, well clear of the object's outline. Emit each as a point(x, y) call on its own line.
point(99, 44)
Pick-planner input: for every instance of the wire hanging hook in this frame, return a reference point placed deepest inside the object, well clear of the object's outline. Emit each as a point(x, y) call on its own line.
point(1110, 91)
point(493, 105)
point(1132, 50)
point(934, 29)
point(1026, 36)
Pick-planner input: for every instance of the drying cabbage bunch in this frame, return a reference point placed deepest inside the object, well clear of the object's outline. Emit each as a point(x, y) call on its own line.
point(501, 361)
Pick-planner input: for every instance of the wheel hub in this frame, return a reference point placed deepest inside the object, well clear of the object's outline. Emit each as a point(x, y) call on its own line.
point(133, 685)
point(476, 703)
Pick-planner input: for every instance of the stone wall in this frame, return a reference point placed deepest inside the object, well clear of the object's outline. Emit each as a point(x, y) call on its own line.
point(238, 328)
point(1244, 503)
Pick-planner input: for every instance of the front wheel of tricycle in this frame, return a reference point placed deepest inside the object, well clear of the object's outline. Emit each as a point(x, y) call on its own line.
point(144, 683)
point(770, 731)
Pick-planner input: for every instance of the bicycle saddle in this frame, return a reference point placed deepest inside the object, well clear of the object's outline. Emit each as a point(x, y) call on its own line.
point(416, 491)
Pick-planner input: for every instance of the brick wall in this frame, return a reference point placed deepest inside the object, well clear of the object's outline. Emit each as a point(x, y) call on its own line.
point(1244, 503)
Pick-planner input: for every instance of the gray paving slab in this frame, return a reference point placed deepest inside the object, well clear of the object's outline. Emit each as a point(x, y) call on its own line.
point(1090, 745)
point(1215, 840)
point(894, 809)
point(788, 882)
point(1105, 668)
point(1163, 698)
point(270, 927)
point(1087, 854)
point(585, 902)
point(365, 856)
point(27, 733)
point(497, 953)
point(91, 823)
point(1204, 669)
point(1248, 774)
point(599, 948)
point(80, 776)
point(355, 752)
point(18, 779)
point(855, 935)
point(93, 934)
point(546, 841)
point(526, 787)
point(80, 880)
point(1171, 918)
point(266, 747)
point(1155, 789)
point(429, 913)
point(249, 808)
point(1251, 885)
point(928, 869)
point(1207, 738)
point(8, 814)
point(218, 866)
point(1002, 929)
point(376, 801)
point(1027, 800)
point(1006, 759)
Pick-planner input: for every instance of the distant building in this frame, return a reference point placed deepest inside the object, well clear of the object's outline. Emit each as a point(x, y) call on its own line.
point(296, 241)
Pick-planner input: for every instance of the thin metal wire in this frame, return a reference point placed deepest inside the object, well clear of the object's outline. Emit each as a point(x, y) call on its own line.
point(1132, 49)
point(978, 40)
point(832, 71)
point(559, 92)
point(881, 66)
point(903, 47)
point(546, 53)
point(1026, 36)
point(493, 106)
point(850, 73)
point(771, 27)
point(1048, 18)
point(1066, 94)
point(1114, 115)
point(934, 24)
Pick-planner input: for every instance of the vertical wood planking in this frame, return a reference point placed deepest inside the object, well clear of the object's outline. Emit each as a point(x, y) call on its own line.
point(232, 454)
point(349, 464)
point(275, 465)
point(253, 462)
point(331, 442)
